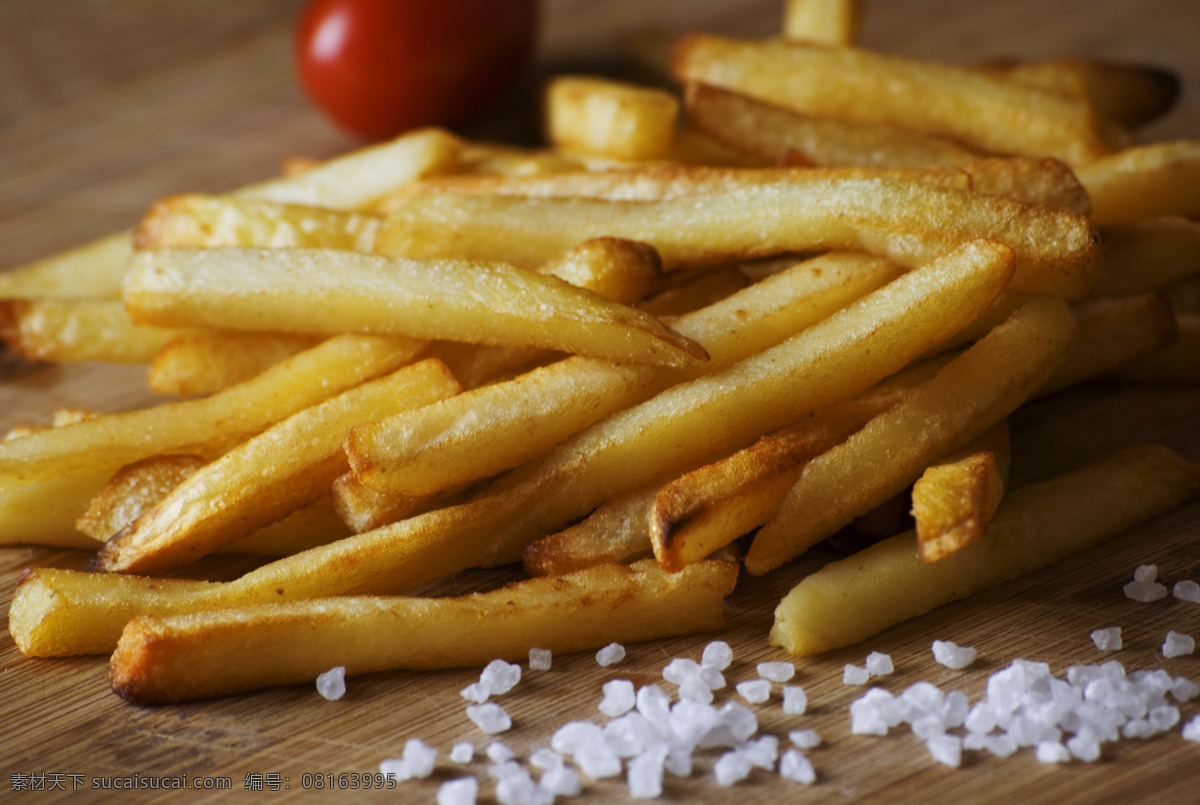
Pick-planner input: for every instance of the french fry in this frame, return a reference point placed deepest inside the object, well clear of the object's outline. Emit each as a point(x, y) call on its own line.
point(1039, 181)
point(992, 114)
point(362, 508)
point(78, 330)
point(617, 531)
point(954, 499)
point(44, 512)
point(286, 467)
point(1144, 181)
point(498, 426)
point(969, 395)
point(90, 271)
point(1148, 255)
point(609, 118)
point(1177, 363)
point(134, 489)
point(206, 361)
point(219, 653)
point(207, 426)
point(906, 221)
point(1040, 524)
point(291, 291)
point(780, 135)
point(835, 22)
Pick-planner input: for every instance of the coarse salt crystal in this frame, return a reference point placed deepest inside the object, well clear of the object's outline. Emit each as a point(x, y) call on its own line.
point(946, 749)
point(879, 664)
point(478, 692)
point(645, 773)
point(1145, 591)
point(489, 717)
point(776, 671)
point(795, 700)
point(761, 752)
point(1107, 639)
point(417, 761)
point(717, 654)
point(755, 691)
point(545, 758)
point(462, 752)
point(500, 676)
point(1146, 573)
point(619, 698)
point(631, 734)
point(1187, 591)
point(462, 791)
point(1085, 746)
point(1191, 730)
point(805, 739)
point(854, 675)
point(731, 767)
point(332, 684)
point(951, 655)
point(540, 659)
point(1178, 644)
point(1052, 752)
point(695, 689)
point(1184, 689)
point(562, 781)
point(795, 766)
point(498, 752)
point(611, 654)
point(570, 737)
point(597, 759)
point(654, 703)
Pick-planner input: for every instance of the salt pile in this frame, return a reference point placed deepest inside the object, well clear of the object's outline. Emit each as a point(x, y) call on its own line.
point(1145, 586)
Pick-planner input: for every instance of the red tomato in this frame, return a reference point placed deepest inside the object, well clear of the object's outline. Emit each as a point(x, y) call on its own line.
point(378, 67)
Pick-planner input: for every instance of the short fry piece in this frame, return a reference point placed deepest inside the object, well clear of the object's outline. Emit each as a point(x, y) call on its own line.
point(835, 22)
point(78, 330)
point(161, 660)
point(1144, 181)
point(1037, 525)
point(608, 118)
point(1148, 255)
point(617, 531)
point(206, 361)
point(132, 491)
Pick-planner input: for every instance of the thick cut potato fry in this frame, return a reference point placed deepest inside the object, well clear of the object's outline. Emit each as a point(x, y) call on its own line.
point(780, 135)
point(354, 180)
point(1126, 93)
point(501, 425)
point(200, 221)
point(954, 499)
point(909, 222)
point(44, 512)
point(78, 330)
point(835, 22)
point(993, 114)
point(617, 531)
point(133, 490)
point(1148, 255)
point(219, 653)
point(362, 509)
point(1144, 181)
point(206, 361)
point(1178, 363)
point(1113, 332)
point(207, 426)
point(286, 467)
point(330, 291)
point(609, 118)
point(969, 395)
point(1035, 526)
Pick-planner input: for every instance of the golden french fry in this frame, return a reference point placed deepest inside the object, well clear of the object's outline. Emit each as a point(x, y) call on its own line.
point(78, 330)
point(207, 426)
point(44, 512)
point(1039, 181)
point(362, 509)
point(624, 271)
point(1148, 255)
point(780, 135)
point(970, 394)
point(993, 114)
point(1177, 363)
point(907, 221)
point(609, 118)
point(134, 489)
point(500, 425)
point(617, 531)
point(1035, 526)
point(91, 271)
point(295, 290)
point(206, 361)
point(286, 467)
point(1144, 181)
point(219, 653)
point(835, 22)
point(954, 499)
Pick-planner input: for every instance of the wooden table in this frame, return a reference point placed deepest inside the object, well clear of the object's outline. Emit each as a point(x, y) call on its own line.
point(105, 106)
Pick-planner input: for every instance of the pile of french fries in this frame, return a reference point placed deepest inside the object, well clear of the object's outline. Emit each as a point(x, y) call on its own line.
point(697, 332)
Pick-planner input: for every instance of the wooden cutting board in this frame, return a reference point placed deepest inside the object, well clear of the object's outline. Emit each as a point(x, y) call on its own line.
point(105, 106)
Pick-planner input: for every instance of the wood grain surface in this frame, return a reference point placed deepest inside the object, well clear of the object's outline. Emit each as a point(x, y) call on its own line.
point(106, 105)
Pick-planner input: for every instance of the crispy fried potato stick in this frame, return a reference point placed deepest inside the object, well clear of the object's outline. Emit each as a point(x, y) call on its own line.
point(161, 660)
point(353, 180)
point(969, 395)
point(44, 512)
point(362, 509)
point(1035, 526)
point(330, 291)
point(908, 222)
point(617, 531)
point(132, 490)
point(286, 467)
point(835, 22)
point(78, 330)
point(1148, 255)
point(954, 499)
point(993, 114)
point(206, 361)
point(498, 426)
point(1144, 181)
point(208, 425)
point(609, 118)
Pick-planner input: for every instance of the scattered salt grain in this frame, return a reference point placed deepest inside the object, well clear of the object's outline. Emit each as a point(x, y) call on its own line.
point(1187, 591)
point(654, 703)
point(755, 691)
point(946, 749)
point(795, 700)
point(498, 752)
point(489, 717)
point(1184, 689)
point(1107, 639)
point(776, 671)
point(1085, 746)
point(539, 659)
point(695, 689)
point(1052, 752)
point(597, 759)
point(545, 758)
point(879, 664)
point(574, 735)
point(619, 698)
point(500, 676)
point(1177, 644)
point(805, 739)
point(1191, 730)
point(731, 767)
point(515, 786)
point(1144, 591)
point(562, 781)
point(794, 766)
point(645, 773)
point(855, 675)
point(951, 655)
point(717, 655)
point(611, 654)
point(1146, 573)
point(762, 752)
point(462, 791)
point(332, 684)
point(478, 692)
point(417, 761)
point(462, 752)
point(631, 734)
